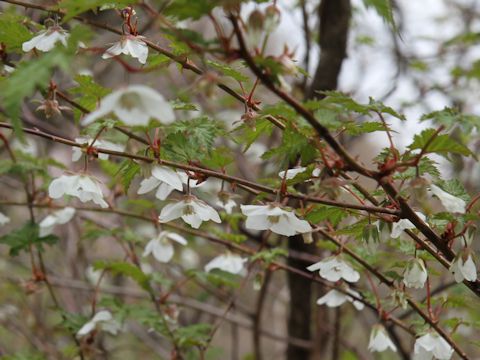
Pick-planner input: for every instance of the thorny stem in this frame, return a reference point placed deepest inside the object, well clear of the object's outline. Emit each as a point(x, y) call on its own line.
point(208, 172)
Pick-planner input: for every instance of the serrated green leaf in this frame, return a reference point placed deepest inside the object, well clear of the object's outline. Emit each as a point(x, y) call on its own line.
point(383, 8)
point(125, 269)
point(326, 213)
point(26, 236)
point(228, 71)
point(12, 32)
point(438, 144)
point(128, 170)
point(73, 8)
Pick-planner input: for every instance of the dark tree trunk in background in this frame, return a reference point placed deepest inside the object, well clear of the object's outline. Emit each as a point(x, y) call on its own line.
point(334, 16)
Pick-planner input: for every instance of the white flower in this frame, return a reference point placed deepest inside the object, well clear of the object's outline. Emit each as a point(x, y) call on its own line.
point(291, 173)
point(404, 224)
point(227, 262)
point(4, 219)
point(225, 202)
point(316, 172)
point(104, 144)
point(192, 210)
point(463, 267)
point(164, 179)
point(81, 186)
point(134, 105)
point(189, 258)
point(379, 340)
point(274, 218)
point(46, 39)
point(162, 248)
point(103, 320)
point(432, 345)
point(59, 217)
point(336, 298)
point(129, 45)
point(334, 269)
point(451, 203)
point(416, 274)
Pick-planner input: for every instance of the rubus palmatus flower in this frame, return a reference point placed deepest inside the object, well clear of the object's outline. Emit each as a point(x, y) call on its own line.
point(334, 268)
point(104, 144)
point(415, 274)
point(379, 340)
point(227, 262)
point(45, 40)
point(432, 345)
point(335, 298)
point(191, 209)
point(134, 105)
point(59, 217)
point(132, 45)
point(162, 178)
point(82, 186)
point(225, 201)
point(161, 247)
point(104, 321)
point(273, 217)
point(463, 267)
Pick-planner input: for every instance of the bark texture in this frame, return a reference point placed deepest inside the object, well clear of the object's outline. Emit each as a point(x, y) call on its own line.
point(334, 19)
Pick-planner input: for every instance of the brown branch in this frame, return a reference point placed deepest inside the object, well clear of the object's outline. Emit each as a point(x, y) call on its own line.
point(220, 175)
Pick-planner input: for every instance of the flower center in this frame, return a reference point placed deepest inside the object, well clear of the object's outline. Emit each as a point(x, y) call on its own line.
point(274, 219)
point(130, 100)
point(188, 210)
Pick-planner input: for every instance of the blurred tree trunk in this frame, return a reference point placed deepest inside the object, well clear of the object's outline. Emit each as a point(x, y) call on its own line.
point(334, 19)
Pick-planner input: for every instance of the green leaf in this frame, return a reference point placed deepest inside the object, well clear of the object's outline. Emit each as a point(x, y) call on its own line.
point(73, 8)
point(188, 9)
point(126, 269)
point(12, 32)
point(26, 236)
point(438, 144)
point(88, 93)
point(228, 71)
point(383, 8)
point(326, 213)
point(270, 255)
point(191, 139)
point(450, 118)
point(293, 144)
point(28, 76)
point(128, 170)
point(193, 335)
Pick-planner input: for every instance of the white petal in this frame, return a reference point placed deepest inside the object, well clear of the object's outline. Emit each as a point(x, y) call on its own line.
point(177, 238)
point(163, 191)
point(86, 329)
point(4, 219)
point(171, 211)
point(32, 43)
point(168, 176)
point(291, 173)
point(283, 226)
point(193, 220)
point(468, 269)
point(107, 105)
point(63, 185)
point(65, 215)
point(230, 263)
point(114, 50)
point(259, 222)
point(450, 203)
point(205, 211)
point(333, 298)
point(147, 185)
point(163, 252)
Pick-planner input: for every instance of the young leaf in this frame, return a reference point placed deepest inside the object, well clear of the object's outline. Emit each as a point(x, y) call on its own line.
point(431, 142)
point(23, 238)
